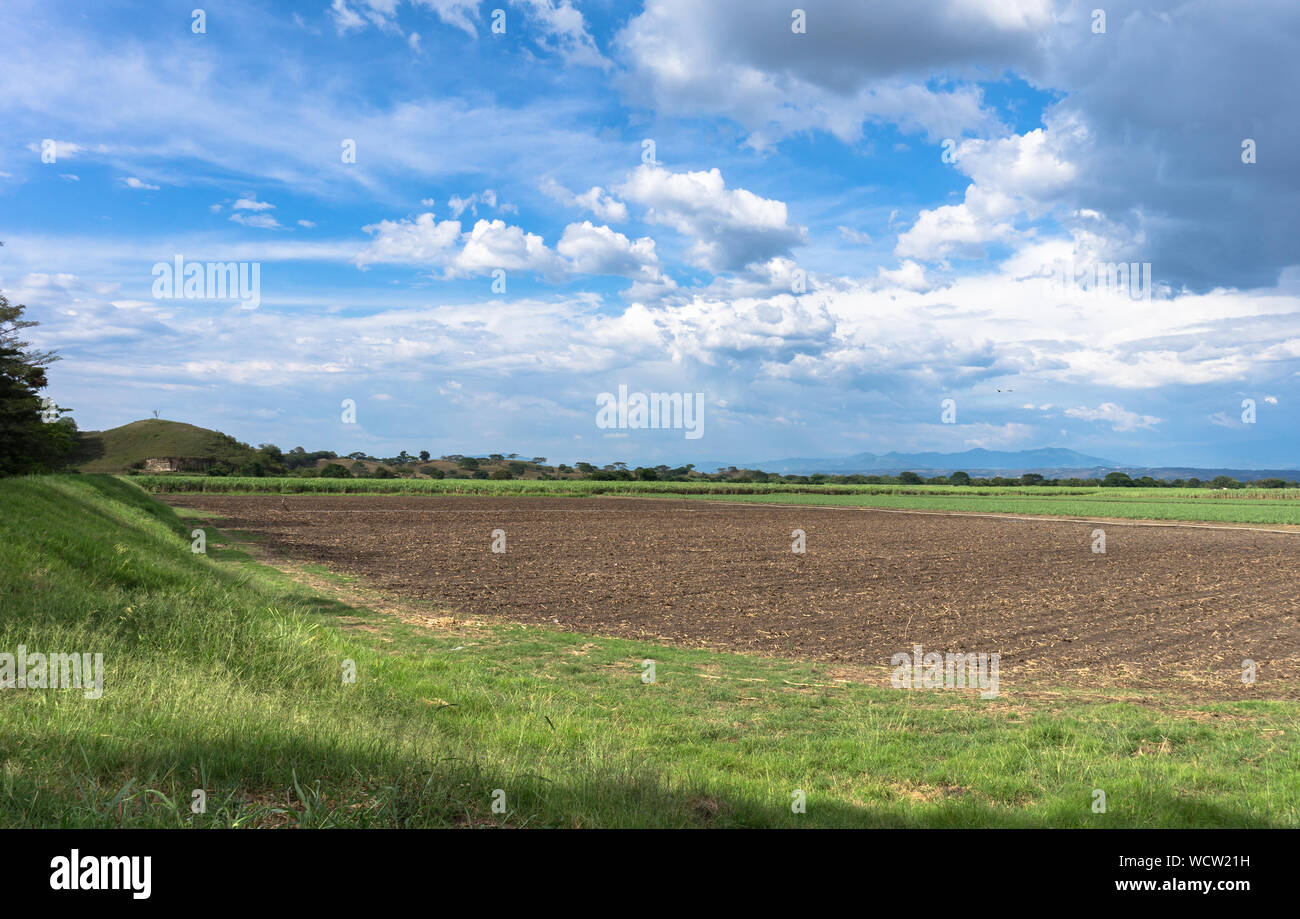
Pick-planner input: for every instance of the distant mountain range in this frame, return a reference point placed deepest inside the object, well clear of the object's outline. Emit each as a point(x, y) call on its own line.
point(1052, 462)
point(972, 461)
point(126, 447)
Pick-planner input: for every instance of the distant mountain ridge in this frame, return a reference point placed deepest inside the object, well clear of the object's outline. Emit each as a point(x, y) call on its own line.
point(1053, 462)
point(1044, 459)
point(124, 448)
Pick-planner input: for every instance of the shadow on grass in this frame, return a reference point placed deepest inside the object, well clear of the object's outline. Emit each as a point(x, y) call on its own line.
point(264, 781)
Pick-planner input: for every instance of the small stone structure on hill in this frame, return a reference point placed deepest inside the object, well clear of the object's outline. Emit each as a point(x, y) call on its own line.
point(178, 464)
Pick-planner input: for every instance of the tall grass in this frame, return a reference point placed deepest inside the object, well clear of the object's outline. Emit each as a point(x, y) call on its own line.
point(163, 484)
point(1259, 506)
point(201, 662)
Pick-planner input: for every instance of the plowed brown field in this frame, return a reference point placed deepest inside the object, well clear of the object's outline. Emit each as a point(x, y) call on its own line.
point(1164, 606)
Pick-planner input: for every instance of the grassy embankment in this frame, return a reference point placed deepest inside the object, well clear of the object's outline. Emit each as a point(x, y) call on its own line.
point(1246, 505)
point(225, 675)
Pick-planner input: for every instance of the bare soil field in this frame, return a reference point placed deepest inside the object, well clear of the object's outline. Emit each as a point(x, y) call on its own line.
point(1164, 607)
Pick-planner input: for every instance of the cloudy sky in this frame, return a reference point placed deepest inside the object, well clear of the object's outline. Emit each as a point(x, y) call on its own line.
point(828, 223)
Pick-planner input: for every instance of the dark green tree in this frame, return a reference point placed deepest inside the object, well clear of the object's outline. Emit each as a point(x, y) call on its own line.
point(33, 435)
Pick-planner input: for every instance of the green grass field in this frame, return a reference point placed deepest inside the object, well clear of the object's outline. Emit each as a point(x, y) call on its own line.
point(1245, 505)
point(226, 675)
point(1151, 504)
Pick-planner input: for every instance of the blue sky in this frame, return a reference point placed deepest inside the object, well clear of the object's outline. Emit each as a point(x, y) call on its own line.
point(839, 228)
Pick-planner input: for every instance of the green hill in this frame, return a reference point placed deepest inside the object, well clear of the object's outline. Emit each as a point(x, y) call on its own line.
point(120, 449)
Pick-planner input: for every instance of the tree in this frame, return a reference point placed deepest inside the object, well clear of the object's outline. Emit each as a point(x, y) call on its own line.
point(299, 458)
point(1118, 479)
point(909, 478)
point(424, 456)
point(334, 471)
point(539, 460)
point(268, 460)
point(1031, 478)
point(467, 462)
point(959, 478)
point(33, 437)
point(254, 468)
